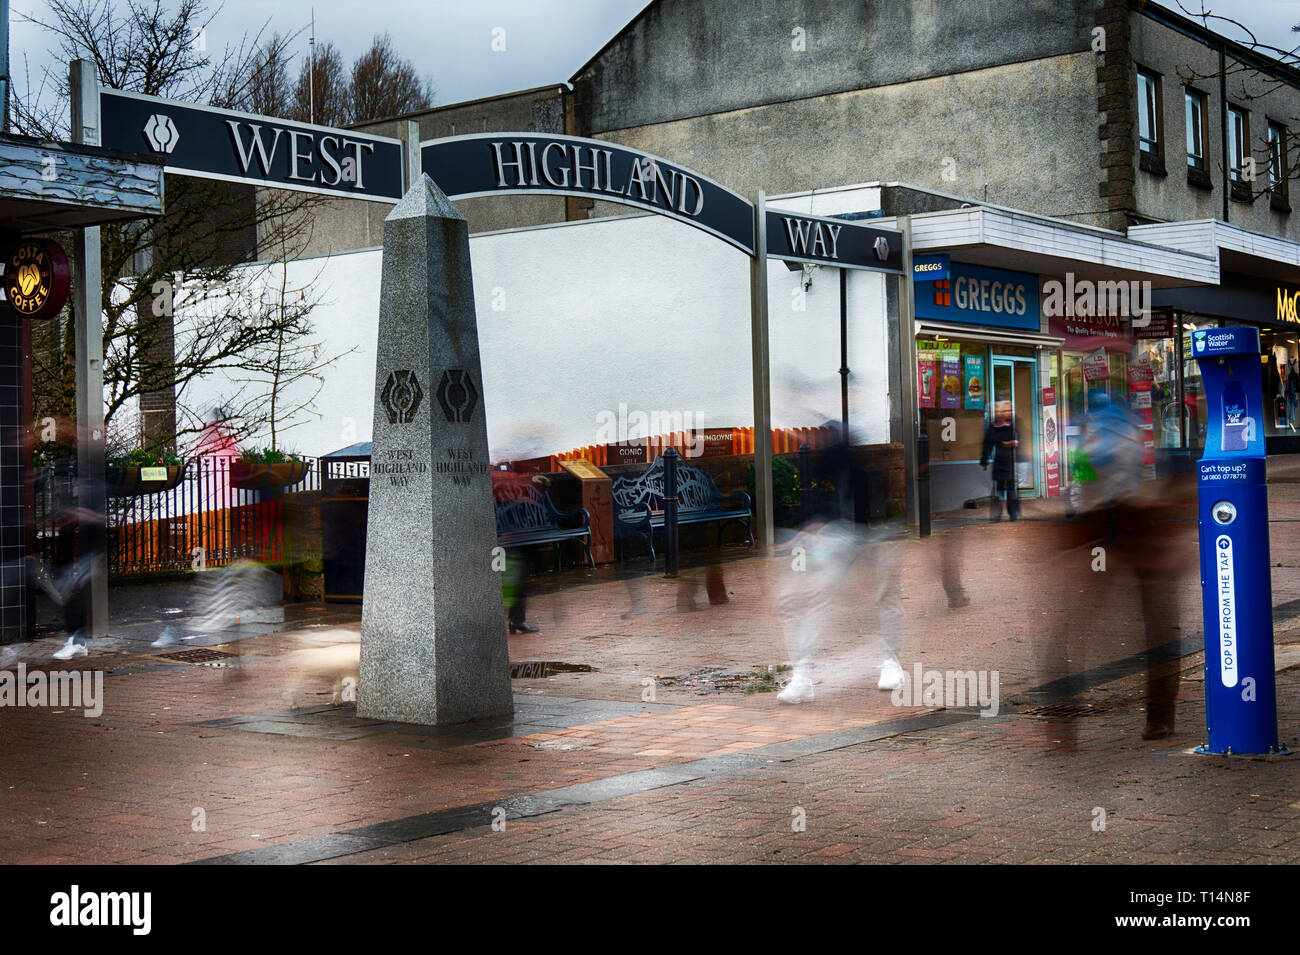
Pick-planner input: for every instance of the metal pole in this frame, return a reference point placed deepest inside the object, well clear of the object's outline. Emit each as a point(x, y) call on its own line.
point(906, 319)
point(923, 481)
point(844, 356)
point(670, 512)
point(88, 311)
point(805, 482)
point(763, 504)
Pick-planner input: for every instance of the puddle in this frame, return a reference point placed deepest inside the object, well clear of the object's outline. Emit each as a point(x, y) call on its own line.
point(759, 679)
point(538, 669)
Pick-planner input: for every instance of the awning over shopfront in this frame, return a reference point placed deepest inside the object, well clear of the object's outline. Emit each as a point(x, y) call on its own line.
point(1003, 336)
point(1005, 239)
point(45, 186)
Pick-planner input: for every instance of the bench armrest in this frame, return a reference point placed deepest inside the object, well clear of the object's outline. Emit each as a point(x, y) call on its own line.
point(739, 497)
point(576, 512)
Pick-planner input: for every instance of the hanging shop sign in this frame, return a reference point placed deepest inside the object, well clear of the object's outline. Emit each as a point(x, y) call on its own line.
point(1051, 443)
point(37, 278)
point(950, 387)
point(241, 147)
point(973, 376)
point(1091, 332)
point(1159, 324)
point(927, 374)
point(980, 296)
point(1096, 367)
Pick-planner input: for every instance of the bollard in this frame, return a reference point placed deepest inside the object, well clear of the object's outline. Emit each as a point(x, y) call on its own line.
point(670, 512)
point(1232, 514)
point(923, 482)
point(805, 482)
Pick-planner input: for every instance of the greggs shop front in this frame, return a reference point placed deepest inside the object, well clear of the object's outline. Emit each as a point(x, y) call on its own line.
point(979, 342)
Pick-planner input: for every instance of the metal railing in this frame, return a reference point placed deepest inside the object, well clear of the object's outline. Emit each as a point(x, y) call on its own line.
point(205, 520)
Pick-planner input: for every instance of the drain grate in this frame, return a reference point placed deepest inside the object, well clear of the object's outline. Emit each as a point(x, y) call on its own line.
point(537, 669)
point(197, 655)
point(1066, 710)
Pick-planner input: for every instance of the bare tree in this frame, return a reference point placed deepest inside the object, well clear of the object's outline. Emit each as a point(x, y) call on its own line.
point(174, 289)
point(325, 85)
point(271, 94)
point(1245, 83)
point(384, 84)
point(290, 358)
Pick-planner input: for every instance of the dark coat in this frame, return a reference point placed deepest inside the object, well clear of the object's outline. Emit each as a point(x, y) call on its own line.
point(1004, 455)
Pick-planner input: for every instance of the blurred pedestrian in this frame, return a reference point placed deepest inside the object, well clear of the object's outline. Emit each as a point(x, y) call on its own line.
point(1000, 443)
point(512, 488)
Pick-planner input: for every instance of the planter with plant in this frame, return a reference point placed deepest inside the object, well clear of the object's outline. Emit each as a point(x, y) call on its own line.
point(142, 471)
point(267, 469)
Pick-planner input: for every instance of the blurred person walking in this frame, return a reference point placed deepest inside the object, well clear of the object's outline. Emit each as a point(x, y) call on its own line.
point(1000, 443)
point(832, 563)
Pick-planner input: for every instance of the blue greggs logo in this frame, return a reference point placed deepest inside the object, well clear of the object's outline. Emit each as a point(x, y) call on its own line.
point(980, 296)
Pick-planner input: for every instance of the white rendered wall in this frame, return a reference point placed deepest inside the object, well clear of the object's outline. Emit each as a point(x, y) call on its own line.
point(579, 318)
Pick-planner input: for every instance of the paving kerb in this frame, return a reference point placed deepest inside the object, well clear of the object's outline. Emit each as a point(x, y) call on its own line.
point(285, 675)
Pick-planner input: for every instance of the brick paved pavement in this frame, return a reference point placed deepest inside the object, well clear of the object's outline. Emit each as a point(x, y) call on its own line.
point(272, 755)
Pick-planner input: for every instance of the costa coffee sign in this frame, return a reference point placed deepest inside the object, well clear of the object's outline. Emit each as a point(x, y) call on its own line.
point(37, 278)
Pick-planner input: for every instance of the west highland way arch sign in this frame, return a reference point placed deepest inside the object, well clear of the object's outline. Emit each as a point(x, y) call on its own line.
point(428, 333)
point(494, 164)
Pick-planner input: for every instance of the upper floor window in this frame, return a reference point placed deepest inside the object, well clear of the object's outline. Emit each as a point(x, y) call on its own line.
point(1195, 109)
point(1277, 157)
point(1238, 145)
point(1148, 104)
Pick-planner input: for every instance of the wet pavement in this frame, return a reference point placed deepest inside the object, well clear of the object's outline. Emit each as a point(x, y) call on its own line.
point(673, 746)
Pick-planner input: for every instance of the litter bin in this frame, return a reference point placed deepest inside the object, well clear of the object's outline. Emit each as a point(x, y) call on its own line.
point(345, 502)
point(868, 495)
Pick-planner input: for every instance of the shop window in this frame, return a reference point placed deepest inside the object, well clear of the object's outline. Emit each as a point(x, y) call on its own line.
point(1281, 354)
point(1193, 399)
point(955, 420)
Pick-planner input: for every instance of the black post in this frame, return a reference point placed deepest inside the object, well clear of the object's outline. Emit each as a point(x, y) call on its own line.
point(670, 512)
point(923, 481)
point(805, 482)
point(844, 356)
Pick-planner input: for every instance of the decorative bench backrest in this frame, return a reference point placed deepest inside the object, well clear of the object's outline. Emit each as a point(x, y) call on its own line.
point(522, 507)
point(695, 489)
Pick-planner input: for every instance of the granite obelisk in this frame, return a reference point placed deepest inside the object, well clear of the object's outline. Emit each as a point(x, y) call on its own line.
point(433, 636)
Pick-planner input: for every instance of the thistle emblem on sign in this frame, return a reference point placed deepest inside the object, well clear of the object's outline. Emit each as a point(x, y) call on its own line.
point(401, 396)
point(457, 395)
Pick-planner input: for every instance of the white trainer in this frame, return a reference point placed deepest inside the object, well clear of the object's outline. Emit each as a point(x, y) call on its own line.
point(798, 690)
point(71, 649)
point(891, 675)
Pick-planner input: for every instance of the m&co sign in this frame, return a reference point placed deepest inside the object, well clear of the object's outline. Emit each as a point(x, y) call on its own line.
point(1287, 306)
point(37, 278)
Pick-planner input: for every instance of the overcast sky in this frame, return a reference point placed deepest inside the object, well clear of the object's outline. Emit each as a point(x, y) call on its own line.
point(546, 41)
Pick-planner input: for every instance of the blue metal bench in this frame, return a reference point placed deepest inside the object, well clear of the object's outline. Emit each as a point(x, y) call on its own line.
point(639, 509)
point(526, 515)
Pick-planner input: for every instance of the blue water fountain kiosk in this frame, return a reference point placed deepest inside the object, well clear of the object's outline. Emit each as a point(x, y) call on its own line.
point(1232, 510)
